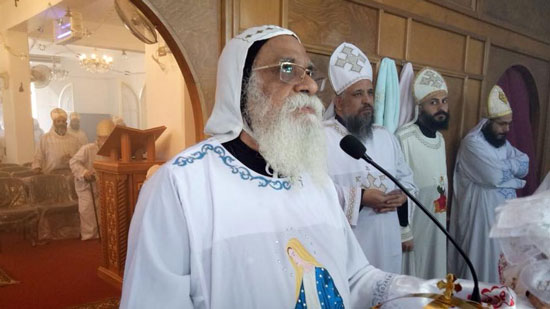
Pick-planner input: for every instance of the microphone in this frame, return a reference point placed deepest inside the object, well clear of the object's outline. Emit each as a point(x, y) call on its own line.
point(355, 149)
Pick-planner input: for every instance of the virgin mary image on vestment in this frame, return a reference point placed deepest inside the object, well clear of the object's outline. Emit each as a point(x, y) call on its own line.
point(314, 285)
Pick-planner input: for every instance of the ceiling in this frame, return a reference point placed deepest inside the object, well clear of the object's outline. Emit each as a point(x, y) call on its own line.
point(101, 22)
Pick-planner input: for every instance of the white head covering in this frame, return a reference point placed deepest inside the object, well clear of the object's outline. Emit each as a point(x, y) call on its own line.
point(75, 115)
point(58, 113)
point(428, 81)
point(226, 121)
point(497, 103)
point(347, 65)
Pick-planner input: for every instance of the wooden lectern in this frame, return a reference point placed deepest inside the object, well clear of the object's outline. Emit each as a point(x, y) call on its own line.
point(120, 178)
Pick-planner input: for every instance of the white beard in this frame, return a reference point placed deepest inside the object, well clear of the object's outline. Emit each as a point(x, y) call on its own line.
point(291, 141)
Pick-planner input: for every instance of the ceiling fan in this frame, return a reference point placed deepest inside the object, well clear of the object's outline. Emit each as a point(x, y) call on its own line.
point(136, 22)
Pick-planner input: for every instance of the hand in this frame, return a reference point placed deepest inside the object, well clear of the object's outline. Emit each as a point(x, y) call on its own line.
point(382, 202)
point(407, 246)
point(384, 210)
point(537, 303)
point(37, 170)
point(89, 176)
point(397, 197)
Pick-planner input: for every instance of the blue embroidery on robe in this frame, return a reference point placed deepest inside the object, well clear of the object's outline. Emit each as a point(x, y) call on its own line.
point(507, 193)
point(243, 172)
point(506, 175)
point(381, 289)
point(523, 167)
point(327, 292)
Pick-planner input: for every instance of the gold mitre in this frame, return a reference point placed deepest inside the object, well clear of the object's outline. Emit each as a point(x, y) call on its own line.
point(428, 81)
point(58, 113)
point(497, 103)
point(105, 127)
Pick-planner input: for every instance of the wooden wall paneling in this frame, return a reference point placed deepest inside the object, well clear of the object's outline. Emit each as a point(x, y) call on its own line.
point(474, 54)
point(393, 36)
point(321, 61)
point(437, 14)
point(379, 30)
point(484, 88)
point(472, 101)
point(255, 13)
point(408, 38)
point(466, 46)
point(452, 135)
point(437, 46)
point(463, 104)
point(327, 23)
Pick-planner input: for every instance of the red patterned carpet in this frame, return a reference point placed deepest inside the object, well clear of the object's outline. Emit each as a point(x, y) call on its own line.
point(59, 274)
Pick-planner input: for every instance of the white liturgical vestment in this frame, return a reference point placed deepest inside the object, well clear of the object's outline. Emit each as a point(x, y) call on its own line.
point(54, 151)
point(485, 176)
point(378, 234)
point(79, 134)
point(426, 158)
point(208, 232)
point(81, 163)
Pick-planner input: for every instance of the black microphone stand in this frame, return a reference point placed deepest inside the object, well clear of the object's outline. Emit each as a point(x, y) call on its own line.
point(475, 293)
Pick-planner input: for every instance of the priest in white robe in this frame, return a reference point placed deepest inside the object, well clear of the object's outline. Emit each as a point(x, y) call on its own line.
point(369, 199)
point(56, 147)
point(488, 171)
point(249, 218)
point(74, 129)
point(82, 167)
point(424, 149)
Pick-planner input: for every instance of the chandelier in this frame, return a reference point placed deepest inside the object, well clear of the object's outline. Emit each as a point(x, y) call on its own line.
point(58, 73)
point(96, 64)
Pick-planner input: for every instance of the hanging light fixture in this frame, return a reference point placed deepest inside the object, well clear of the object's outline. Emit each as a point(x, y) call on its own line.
point(95, 64)
point(58, 73)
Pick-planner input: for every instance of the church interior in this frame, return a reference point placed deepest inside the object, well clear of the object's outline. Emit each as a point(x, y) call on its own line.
point(152, 65)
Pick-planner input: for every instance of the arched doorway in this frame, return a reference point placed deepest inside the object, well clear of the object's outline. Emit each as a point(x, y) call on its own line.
point(521, 90)
point(183, 63)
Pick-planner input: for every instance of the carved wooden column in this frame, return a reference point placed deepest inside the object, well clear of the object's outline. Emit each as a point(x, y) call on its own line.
point(120, 178)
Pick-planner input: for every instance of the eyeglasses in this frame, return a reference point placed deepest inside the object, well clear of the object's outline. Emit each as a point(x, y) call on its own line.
point(292, 73)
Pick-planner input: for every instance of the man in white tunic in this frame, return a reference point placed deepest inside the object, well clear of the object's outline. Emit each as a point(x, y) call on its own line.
point(84, 179)
point(424, 150)
point(249, 218)
point(74, 129)
point(488, 171)
point(369, 199)
point(56, 147)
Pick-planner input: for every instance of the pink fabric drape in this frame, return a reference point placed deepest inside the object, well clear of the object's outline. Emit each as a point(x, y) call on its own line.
point(521, 135)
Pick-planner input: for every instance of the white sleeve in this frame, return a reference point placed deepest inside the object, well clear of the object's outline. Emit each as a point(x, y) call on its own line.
point(157, 273)
point(350, 201)
point(404, 174)
point(78, 163)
